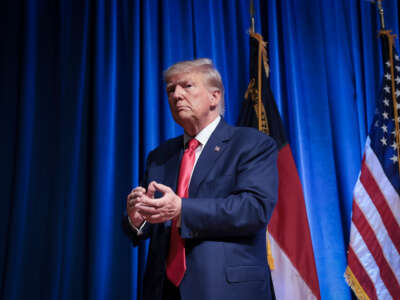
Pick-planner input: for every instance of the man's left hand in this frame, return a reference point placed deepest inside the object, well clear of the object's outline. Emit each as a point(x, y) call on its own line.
point(161, 209)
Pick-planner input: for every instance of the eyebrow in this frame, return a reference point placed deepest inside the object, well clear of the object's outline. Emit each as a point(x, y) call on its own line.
point(182, 82)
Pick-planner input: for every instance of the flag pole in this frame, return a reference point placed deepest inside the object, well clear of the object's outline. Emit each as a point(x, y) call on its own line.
point(381, 14)
point(259, 109)
point(390, 37)
point(252, 31)
point(252, 26)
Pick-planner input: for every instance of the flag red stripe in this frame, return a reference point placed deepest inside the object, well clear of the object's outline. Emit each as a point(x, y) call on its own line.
point(375, 248)
point(361, 275)
point(289, 222)
point(381, 205)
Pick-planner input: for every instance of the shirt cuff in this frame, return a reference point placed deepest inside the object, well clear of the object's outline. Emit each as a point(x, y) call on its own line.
point(139, 231)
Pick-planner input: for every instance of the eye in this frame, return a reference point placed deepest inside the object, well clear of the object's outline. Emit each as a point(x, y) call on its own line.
point(188, 85)
point(170, 89)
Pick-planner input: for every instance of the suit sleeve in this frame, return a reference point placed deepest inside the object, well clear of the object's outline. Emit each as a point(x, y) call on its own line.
point(249, 204)
point(128, 230)
point(132, 234)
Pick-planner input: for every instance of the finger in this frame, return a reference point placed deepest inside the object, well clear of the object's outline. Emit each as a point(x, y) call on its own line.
point(157, 218)
point(146, 201)
point(136, 193)
point(130, 205)
point(146, 210)
point(139, 188)
point(133, 196)
point(162, 188)
point(131, 200)
point(151, 189)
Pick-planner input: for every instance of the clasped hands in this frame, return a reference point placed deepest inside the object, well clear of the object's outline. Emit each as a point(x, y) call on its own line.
point(141, 204)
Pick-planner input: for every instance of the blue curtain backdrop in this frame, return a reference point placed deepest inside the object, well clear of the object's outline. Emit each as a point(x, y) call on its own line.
point(82, 103)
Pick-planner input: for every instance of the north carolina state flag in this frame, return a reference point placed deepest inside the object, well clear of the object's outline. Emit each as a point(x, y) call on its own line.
point(290, 252)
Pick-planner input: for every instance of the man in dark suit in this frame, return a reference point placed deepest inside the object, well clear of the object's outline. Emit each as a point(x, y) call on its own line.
point(206, 198)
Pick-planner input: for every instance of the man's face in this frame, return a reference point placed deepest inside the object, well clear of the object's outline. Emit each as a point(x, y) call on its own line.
point(191, 103)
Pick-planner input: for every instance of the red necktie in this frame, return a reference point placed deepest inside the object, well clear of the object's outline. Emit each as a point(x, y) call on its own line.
point(176, 261)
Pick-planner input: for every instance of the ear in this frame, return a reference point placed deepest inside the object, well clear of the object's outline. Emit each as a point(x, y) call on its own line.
point(215, 98)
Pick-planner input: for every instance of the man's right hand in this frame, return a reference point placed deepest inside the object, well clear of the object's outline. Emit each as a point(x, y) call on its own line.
point(135, 217)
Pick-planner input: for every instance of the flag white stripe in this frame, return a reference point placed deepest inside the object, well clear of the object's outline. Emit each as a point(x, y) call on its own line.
point(386, 187)
point(368, 262)
point(374, 219)
point(288, 283)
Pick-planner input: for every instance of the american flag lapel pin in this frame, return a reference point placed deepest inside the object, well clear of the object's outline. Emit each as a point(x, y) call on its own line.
point(217, 148)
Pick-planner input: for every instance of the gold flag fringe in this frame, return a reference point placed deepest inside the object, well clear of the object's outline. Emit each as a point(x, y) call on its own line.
point(355, 285)
point(270, 258)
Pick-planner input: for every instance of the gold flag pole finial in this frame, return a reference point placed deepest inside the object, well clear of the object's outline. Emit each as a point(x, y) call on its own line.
point(381, 14)
point(252, 29)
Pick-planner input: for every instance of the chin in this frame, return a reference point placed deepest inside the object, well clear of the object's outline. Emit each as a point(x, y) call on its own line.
point(184, 115)
point(183, 119)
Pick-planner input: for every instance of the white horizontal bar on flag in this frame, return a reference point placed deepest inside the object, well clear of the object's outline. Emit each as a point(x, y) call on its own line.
point(288, 283)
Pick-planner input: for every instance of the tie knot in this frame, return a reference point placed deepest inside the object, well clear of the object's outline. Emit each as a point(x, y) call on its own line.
point(193, 144)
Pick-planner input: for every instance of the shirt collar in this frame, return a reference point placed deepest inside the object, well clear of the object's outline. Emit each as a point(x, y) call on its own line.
point(204, 134)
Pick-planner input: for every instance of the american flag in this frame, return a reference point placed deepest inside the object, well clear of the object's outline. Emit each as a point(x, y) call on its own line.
point(373, 269)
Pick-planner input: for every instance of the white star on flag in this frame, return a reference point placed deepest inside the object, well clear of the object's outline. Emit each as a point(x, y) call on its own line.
point(388, 76)
point(385, 115)
point(396, 57)
point(383, 141)
point(388, 63)
point(387, 89)
point(386, 102)
point(397, 68)
point(394, 146)
point(394, 159)
point(397, 79)
point(397, 93)
point(384, 128)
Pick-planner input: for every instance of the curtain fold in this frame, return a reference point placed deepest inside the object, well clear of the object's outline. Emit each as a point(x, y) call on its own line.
point(82, 103)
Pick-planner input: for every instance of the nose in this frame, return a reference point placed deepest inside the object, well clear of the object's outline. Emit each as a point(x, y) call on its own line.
point(178, 92)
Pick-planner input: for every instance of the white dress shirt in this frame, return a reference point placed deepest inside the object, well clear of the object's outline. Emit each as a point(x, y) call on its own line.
point(202, 137)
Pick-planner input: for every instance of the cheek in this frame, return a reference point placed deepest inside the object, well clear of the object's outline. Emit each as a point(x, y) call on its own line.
point(171, 107)
point(171, 103)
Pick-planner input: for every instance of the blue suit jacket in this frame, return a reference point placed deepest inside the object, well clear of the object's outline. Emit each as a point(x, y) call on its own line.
point(232, 193)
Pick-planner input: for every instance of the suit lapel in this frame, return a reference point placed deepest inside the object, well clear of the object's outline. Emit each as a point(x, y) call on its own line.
point(171, 170)
point(215, 146)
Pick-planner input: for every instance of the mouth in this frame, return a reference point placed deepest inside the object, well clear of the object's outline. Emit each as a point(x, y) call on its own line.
point(182, 108)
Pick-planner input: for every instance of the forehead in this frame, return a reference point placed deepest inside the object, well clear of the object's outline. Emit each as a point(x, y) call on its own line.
point(192, 76)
